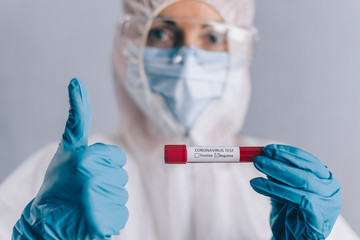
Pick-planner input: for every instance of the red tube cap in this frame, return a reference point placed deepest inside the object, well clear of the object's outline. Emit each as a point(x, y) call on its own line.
point(175, 154)
point(247, 154)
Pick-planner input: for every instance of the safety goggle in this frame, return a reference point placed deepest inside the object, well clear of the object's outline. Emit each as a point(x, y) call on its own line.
point(167, 32)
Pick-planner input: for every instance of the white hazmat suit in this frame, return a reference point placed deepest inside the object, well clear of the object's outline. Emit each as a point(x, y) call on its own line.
point(177, 202)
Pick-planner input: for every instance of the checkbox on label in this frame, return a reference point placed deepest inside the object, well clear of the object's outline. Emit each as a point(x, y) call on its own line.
point(196, 155)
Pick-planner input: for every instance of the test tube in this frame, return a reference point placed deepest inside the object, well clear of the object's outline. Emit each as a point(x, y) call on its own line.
point(182, 154)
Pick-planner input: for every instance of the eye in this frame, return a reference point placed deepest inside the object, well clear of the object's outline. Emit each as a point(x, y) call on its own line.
point(158, 34)
point(160, 37)
point(215, 38)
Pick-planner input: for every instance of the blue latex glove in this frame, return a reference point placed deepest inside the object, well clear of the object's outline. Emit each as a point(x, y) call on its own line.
point(305, 196)
point(83, 194)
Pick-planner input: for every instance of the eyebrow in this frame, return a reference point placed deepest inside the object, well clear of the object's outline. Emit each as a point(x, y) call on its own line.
point(205, 25)
point(173, 23)
point(169, 22)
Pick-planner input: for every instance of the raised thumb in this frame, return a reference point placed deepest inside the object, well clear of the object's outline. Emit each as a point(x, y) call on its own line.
point(78, 124)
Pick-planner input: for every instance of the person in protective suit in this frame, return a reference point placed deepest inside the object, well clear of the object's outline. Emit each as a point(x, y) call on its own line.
point(181, 77)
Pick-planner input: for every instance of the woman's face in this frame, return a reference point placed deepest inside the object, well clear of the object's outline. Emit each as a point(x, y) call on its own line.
point(188, 22)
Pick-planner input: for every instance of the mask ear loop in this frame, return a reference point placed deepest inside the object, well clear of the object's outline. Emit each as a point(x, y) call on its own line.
point(141, 59)
point(122, 24)
point(246, 38)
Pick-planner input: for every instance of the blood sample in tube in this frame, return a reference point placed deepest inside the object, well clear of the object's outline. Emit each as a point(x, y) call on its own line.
point(182, 154)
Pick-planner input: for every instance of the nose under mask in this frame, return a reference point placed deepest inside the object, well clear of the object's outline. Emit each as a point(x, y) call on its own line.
point(188, 79)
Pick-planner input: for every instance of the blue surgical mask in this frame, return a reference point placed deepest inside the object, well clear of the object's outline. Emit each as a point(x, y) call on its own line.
point(188, 79)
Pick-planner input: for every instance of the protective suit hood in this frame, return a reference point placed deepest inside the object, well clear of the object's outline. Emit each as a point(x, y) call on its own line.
point(144, 113)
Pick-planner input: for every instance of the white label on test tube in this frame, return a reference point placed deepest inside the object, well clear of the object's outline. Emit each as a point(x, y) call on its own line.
point(213, 154)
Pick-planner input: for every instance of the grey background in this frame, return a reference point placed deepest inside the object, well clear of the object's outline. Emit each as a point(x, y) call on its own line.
point(305, 78)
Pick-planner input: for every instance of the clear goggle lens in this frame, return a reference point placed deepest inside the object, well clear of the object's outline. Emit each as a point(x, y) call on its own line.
point(165, 32)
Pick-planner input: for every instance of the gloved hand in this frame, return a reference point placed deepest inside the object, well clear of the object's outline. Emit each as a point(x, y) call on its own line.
point(83, 194)
point(304, 194)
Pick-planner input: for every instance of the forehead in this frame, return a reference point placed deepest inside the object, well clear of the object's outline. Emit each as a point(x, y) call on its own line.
point(191, 9)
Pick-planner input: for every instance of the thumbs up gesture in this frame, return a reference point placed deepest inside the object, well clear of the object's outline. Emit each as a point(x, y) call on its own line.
point(83, 194)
